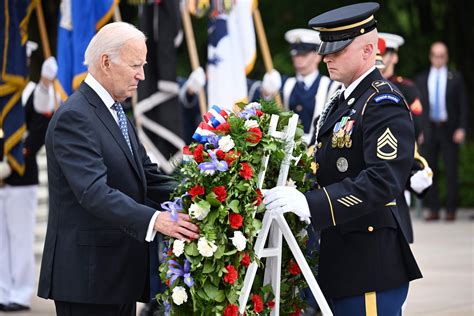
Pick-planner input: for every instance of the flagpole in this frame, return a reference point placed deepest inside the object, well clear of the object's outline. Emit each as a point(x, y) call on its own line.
point(192, 50)
point(262, 40)
point(45, 44)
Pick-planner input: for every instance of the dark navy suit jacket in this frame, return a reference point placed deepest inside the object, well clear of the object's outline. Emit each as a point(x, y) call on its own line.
point(95, 250)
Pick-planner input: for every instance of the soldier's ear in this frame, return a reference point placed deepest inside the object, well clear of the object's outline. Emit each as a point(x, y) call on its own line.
point(368, 50)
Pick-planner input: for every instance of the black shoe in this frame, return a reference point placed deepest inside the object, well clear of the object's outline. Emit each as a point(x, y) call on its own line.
point(14, 307)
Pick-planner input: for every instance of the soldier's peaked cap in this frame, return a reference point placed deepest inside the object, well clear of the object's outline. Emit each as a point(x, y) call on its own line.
point(338, 28)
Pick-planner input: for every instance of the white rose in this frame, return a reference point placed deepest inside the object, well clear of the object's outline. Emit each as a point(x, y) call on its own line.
point(208, 172)
point(250, 124)
point(253, 105)
point(179, 295)
point(206, 248)
point(178, 247)
point(198, 212)
point(239, 240)
point(226, 143)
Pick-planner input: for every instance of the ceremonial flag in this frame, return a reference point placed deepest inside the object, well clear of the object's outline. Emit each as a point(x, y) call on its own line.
point(79, 20)
point(231, 54)
point(158, 111)
point(15, 16)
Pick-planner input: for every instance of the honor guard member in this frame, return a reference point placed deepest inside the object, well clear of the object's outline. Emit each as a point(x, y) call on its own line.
point(406, 86)
point(308, 91)
point(18, 193)
point(365, 148)
point(422, 175)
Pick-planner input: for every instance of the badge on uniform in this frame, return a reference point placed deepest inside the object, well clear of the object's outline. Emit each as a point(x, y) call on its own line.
point(342, 132)
point(387, 146)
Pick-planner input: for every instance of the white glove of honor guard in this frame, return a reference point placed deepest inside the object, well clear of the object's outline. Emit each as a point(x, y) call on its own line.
point(49, 70)
point(5, 169)
point(271, 83)
point(196, 80)
point(421, 180)
point(283, 199)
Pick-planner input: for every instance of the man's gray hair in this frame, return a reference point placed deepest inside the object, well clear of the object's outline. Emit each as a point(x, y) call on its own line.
point(109, 40)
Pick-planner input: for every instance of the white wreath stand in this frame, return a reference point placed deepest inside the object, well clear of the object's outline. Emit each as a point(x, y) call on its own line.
point(276, 225)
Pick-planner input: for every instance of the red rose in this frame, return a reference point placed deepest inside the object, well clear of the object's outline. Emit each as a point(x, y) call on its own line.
point(220, 154)
point(231, 275)
point(293, 267)
point(245, 259)
point(235, 220)
point(198, 153)
point(220, 192)
point(224, 128)
point(186, 150)
point(246, 172)
point(259, 113)
point(255, 135)
point(231, 310)
point(167, 282)
point(297, 311)
point(196, 191)
point(271, 304)
point(230, 157)
point(259, 198)
point(257, 303)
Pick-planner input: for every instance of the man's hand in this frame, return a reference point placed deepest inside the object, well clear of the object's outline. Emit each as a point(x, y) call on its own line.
point(459, 135)
point(287, 199)
point(421, 180)
point(49, 69)
point(181, 229)
point(196, 80)
point(271, 83)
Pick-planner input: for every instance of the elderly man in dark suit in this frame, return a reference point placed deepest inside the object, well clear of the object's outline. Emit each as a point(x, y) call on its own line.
point(445, 126)
point(95, 259)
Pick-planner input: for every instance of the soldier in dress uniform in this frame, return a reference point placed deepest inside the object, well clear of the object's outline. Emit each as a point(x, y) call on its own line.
point(18, 194)
point(364, 153)
point(422, 175)
point(308, 91)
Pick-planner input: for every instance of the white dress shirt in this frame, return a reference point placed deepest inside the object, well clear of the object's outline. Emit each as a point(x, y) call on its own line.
point(109, 102)
point(308, 79)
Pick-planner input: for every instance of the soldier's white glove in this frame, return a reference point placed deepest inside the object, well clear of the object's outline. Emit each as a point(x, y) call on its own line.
point(49, 70)
point(196, 80)
point(421, 180)
point(283, 199)
point(5, 169)
point(271, 83)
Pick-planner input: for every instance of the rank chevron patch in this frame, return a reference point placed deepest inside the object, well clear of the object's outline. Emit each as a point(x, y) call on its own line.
point(387, 146)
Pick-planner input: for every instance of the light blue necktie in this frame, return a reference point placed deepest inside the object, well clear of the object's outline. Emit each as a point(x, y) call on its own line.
point(437, 110)
point(122, 121)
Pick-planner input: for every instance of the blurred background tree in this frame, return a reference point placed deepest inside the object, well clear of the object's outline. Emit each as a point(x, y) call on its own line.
point(420, 22)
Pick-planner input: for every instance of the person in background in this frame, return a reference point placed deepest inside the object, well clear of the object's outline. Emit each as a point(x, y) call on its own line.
point(101, 183)
point(308, 91)
point(421, 175)
point(18, 194)
point(446, 117)
point(364, 155)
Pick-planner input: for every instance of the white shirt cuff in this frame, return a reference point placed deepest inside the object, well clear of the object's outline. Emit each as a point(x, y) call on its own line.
point(151, 232)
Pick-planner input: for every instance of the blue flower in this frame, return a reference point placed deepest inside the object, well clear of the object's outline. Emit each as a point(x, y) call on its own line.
point(173, 207)
point(214, 164)
point(175, 270)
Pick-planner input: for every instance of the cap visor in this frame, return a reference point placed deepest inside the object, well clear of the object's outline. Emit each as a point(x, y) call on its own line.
point(333, 47)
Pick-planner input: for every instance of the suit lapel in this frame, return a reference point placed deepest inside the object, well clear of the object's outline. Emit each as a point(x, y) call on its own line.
point(135, 146)
point(343, 108)
point(106, 118)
